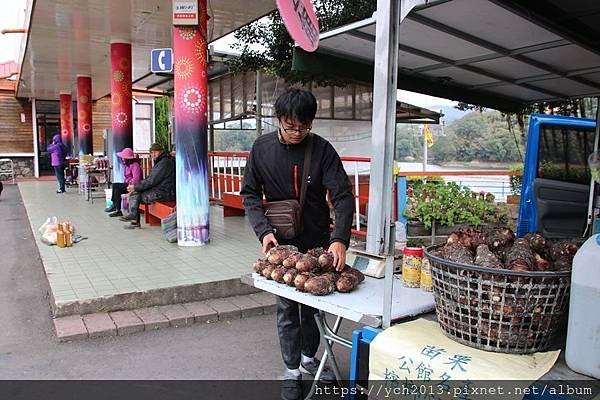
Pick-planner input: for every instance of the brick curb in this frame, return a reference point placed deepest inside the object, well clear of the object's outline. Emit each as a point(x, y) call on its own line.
point(121, 323)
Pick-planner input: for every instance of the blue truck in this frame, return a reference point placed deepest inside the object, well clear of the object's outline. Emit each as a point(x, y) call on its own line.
point(555, 190)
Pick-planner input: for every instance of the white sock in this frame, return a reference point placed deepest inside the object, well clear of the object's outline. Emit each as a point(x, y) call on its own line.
point(295, 372)
point(306, 360)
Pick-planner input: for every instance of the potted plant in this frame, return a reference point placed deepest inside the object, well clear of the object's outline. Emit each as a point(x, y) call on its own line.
point(448, 205)
point(516, 180)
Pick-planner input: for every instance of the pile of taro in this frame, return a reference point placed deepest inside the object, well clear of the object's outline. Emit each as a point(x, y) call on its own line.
point(312, 272)
point(498, 248)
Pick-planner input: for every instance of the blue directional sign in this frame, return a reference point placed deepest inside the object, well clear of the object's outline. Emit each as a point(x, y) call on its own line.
point(161, 60)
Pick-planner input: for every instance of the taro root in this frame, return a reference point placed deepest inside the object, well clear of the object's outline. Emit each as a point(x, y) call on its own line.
point(540, 263)
point(307, 263)
point(486, 258)
point(300, 280)
point(332, 276)
point(499, 238)
point(278, 273)
point(348, 270)
point(538, 244)
point(326, 262)
point(563, 263)
point(289, 276)
point(458, 253)
point(267, 271)
point(319, 286)
point(259, 265)
point(520, 256)
point(277, 254)
point(455, 237)
point(291, 261)
point(346, 283)
point(316, 252)
point(563, 248)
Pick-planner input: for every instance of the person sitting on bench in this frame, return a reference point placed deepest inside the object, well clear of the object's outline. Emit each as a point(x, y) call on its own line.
point(160, 185)
point(132, 175)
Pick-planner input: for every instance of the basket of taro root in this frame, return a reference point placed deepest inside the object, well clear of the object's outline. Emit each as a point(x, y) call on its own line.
point(498, 293)
point(312, 272)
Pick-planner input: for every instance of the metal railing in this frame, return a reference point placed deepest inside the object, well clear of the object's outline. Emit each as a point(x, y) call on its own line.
point(226, 173)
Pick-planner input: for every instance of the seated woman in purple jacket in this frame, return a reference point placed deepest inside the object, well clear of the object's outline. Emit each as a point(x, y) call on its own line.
point(132, 174)
point(58, 152)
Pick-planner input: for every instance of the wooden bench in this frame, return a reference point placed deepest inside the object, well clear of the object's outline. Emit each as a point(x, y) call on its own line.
point(233, 205)
point(156, 211)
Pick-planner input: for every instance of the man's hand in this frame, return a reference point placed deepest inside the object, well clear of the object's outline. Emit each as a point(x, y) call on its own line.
point(338, 249)
point(268, 242)
point(130, 189)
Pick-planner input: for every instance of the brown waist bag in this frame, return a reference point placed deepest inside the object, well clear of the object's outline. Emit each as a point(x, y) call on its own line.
point(285, 216)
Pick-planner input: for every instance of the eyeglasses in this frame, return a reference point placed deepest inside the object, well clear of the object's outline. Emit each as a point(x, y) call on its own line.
point(297, 130)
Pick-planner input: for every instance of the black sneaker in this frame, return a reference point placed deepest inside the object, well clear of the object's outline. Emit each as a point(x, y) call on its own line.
point(110, 209)
point(127, 218)
point(132, 225)
point(327, 375)
point(116, 214)
point(291, 387)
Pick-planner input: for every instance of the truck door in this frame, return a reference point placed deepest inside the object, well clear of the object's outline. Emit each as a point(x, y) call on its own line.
point(562, 183)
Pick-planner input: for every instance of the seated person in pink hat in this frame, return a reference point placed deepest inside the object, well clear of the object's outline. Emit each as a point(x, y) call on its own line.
point(132, 174)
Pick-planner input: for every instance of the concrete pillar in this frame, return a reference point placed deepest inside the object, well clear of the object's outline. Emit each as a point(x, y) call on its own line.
point(191, 131)
point(66, 121)
point(121, 109)
point(84, 114)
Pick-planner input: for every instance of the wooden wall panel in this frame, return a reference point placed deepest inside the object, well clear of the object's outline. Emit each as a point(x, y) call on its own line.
point(15, 136)
point(101, 119)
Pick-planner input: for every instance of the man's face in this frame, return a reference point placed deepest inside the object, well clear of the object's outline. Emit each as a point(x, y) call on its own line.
point(293, 131)
point(155, 154)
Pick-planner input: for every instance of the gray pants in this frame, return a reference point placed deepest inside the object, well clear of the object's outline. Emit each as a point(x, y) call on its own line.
point(298, 332)
point(147, 197)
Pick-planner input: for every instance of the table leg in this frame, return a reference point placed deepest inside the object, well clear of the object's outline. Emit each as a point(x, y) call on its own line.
point(329, 337)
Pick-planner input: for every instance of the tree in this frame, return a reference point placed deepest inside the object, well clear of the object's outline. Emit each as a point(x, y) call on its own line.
point(161, 121)
point(266, 45)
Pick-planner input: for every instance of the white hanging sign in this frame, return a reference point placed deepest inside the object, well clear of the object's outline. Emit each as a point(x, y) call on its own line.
point(185, 12)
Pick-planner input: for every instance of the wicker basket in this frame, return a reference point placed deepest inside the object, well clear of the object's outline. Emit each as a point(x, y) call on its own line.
point(498, 310)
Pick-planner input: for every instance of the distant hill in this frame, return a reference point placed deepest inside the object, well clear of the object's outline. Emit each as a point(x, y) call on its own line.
point(450, 113)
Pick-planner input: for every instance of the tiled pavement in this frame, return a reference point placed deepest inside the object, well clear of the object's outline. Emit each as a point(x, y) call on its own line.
point(116, 269)
point(121, 323)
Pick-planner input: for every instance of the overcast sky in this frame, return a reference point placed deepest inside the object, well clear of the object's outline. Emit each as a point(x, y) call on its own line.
point(11, 16)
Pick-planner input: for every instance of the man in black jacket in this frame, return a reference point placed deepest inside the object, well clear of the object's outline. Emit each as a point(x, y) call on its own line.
point(160, 185)
point(274, 169)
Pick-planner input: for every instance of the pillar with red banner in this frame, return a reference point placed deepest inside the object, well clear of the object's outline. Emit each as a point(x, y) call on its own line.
point(66, 121)
point(190, 50)
point(84, 114)
point(121, 109)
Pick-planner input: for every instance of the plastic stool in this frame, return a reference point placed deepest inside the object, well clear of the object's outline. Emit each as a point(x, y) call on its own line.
point(9, 172)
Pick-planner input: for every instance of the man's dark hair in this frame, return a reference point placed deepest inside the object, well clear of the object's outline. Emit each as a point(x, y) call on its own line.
point(296, 104)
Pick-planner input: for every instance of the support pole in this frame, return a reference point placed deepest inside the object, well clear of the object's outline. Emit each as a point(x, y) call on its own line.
point(211, 131)
point(36, 140)
point(425, 153)
point(258, 103)
point(591, 223)
point(121, 108)
point(66, 121)
point(384, 125)
point(84, 115)
point(191, 131)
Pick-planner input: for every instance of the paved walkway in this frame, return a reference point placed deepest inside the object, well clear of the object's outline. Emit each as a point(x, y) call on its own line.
point(118, 269)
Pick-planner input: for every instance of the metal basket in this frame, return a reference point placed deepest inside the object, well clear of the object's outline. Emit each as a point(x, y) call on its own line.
point(495, 309)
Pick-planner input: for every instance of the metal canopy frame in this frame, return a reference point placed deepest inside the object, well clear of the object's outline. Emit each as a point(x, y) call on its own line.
point(495, 53)
point(532, 72)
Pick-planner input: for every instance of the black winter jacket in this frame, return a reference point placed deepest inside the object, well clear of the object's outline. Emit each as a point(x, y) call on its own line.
point(275, 170)
point(161, 179)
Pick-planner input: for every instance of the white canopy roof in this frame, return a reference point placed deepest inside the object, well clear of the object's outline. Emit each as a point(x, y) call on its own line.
point(71, 37)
